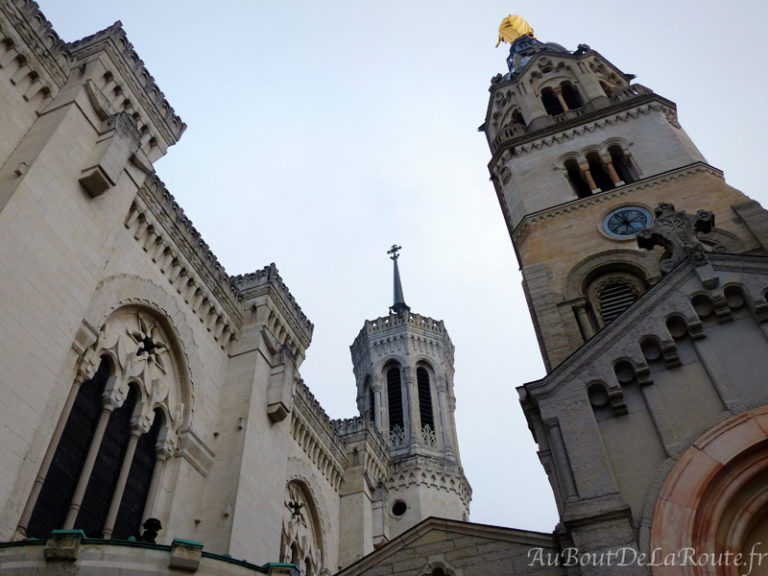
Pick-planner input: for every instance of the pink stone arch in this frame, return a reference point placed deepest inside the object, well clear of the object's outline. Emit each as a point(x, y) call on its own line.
point(713, 497)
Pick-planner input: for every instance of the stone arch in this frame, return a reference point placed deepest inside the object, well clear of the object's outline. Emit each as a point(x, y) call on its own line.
point(714, 497)
point(123, 290)
point(302, 531)
point(627, 260)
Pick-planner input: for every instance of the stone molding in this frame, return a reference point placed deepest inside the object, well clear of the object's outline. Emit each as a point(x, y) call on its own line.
point(377, 334)
point(432, 473)
point(169, 238)
point(359, 430)
point(316, 435)
point(268, 281)
point(602, 197)
point(577, 122)
point(30, 40)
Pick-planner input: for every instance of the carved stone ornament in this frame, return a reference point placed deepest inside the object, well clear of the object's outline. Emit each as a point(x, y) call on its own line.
point(676, 231)
point(301, 536)
point(138, 346)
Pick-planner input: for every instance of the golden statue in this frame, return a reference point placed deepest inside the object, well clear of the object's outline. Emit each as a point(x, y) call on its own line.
point(512, 27)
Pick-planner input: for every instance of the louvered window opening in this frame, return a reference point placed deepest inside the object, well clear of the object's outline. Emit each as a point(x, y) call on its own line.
point(425, 398)
point(614, 299)
point(394, 398)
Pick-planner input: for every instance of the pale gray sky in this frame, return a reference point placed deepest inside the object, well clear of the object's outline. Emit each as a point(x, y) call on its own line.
point(322, 132)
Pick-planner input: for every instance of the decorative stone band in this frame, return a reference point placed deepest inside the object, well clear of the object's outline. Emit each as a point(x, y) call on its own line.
point(509, 136)
point(133, 72)
point(627, 190)
point(215, 305)
point(268, 280)
point(38, 62)
point(429, 472)
point(382, 335)
point(314, 432)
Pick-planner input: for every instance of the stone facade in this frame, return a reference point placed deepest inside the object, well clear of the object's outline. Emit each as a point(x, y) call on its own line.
point(141, 381)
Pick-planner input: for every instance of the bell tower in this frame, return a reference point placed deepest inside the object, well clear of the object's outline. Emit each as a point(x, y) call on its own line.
point(581, 158)
point(403, 365)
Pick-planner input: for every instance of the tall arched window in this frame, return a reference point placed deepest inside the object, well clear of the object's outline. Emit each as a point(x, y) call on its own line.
point(551, 102)
point(621, 164)
point(571, 96)
point(395, 399)
point(101, 473)
point(599, 174)
point(576, 179)
point(56, 494)
point(425, 398)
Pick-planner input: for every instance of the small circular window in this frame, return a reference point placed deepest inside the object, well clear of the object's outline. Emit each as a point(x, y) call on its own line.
point(399, 508)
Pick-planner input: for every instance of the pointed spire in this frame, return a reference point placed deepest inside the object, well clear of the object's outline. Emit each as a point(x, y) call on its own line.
point(399, 306)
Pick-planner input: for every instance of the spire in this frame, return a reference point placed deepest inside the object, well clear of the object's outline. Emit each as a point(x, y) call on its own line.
point(399, 305)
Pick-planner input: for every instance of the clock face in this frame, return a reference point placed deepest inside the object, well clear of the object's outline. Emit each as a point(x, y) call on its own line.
point(625, 222)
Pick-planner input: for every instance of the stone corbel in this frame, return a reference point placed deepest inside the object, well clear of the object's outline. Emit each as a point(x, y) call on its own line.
point(118, 142)
point(280, 389)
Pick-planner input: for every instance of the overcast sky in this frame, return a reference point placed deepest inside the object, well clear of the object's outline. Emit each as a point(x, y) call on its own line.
point(320, 133)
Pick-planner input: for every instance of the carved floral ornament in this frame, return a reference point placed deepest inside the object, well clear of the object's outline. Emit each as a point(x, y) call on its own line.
point(139, 347)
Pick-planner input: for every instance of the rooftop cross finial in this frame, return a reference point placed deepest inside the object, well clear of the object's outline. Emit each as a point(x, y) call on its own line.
point(399, 307)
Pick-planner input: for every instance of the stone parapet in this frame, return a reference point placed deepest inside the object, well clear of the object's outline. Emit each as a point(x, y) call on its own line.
point(143, 86)
point(268, 281)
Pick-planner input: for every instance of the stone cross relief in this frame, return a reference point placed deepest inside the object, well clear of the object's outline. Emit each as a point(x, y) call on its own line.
point(676, 232)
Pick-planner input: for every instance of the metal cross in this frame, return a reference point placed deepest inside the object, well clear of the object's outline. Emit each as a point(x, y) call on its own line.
point(395, 248)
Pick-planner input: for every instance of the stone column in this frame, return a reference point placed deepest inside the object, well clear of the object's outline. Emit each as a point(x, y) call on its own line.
point(617, 181)
point(559, 93)
point(85, 474)
point(584, 322)
point(412, 397)
point(122, 479)
point(588, 177)
point(161, 456)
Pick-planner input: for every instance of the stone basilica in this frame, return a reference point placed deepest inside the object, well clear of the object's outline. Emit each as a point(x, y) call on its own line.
point(145, 391)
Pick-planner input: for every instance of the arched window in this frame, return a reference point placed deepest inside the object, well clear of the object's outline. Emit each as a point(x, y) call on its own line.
point(551, 102)
point(101, 473)
point(394, 398)
point(301, 542)
point(517, 118)
point(571, 96)
point(64, 471)
point(576, 179)
point(599, 174)
point(615, 297)
point(425, 399)
point(621, 164)
point(612, 293)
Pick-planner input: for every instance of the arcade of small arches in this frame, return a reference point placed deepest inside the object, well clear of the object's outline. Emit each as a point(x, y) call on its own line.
point(663, 349)
point(600, 170)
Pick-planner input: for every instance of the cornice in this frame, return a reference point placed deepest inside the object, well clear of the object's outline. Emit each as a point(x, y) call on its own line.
point(30, 35)
point(268, 281)
point(627, 190)
point(311, 428)
point(578, 122)
point(114, 41)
